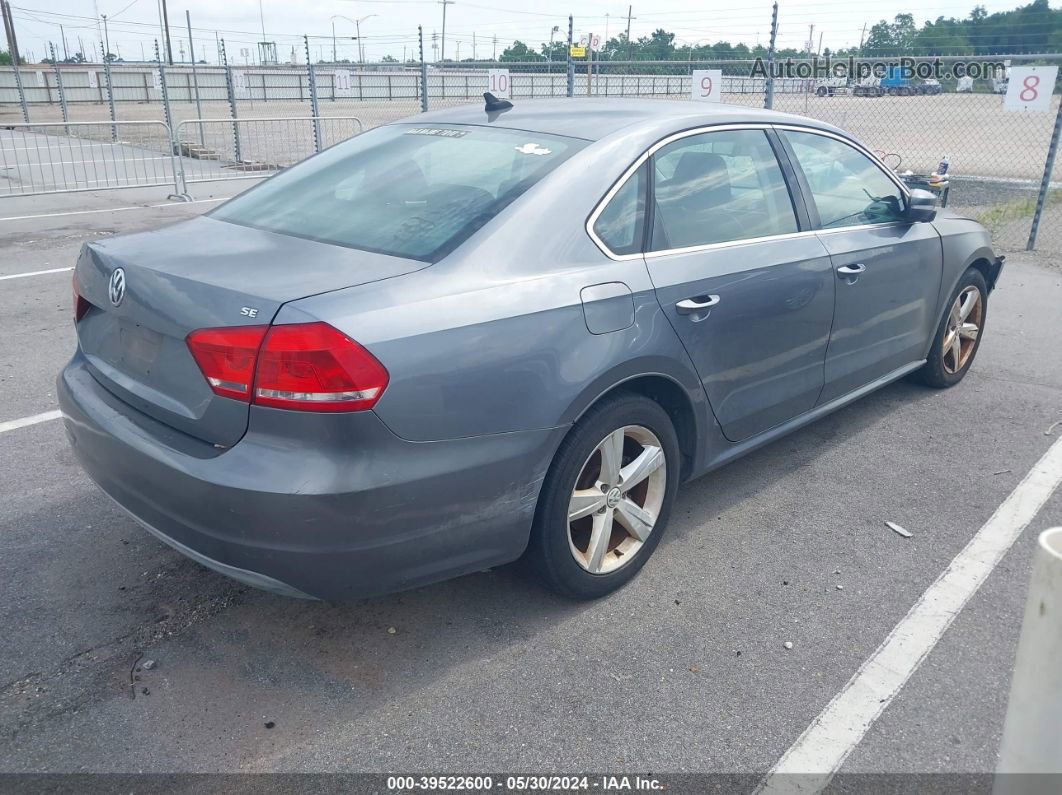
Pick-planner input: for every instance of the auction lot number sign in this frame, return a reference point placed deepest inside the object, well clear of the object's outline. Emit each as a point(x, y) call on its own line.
point(708, 85)
point(1029, 88)
point(499, 82)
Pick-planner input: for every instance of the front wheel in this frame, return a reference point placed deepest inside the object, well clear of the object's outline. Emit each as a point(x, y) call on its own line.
point(607, 498)
point(959, 333)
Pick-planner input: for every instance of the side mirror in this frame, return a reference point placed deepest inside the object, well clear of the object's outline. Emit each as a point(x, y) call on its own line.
point(922, 205)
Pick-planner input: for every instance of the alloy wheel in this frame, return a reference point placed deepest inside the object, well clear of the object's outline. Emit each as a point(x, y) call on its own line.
point(617, 499)
point(964, 324)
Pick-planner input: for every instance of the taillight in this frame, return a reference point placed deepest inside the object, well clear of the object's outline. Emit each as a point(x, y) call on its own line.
point(314, 367)
point(302, 366)
point(227, 357)
point(81, 306)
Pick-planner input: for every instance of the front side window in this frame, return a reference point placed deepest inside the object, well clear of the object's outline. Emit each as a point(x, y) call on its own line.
point(716, 187)
point(402, 190)
point(621, 224)
point(848, 187)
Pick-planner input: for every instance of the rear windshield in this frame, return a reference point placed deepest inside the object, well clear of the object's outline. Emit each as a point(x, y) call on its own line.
point(403, 190)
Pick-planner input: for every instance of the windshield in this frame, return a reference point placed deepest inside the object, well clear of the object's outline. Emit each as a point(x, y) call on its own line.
point(404, 190)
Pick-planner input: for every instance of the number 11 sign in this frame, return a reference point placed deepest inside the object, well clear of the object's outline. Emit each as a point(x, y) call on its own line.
point(708, 85)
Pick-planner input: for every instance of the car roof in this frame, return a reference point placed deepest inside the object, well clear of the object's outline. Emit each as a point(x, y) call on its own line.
point(594, 119)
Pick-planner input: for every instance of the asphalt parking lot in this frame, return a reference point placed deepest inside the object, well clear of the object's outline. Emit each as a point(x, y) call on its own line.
point(684, 670)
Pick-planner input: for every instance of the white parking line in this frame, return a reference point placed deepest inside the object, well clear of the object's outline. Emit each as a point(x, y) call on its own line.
point(826, 743)
point(11, 425)
point(111, 209)
point(33, 273)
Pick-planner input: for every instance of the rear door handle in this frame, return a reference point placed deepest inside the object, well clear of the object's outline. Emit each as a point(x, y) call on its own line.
point(851, 270)
point(691, 305)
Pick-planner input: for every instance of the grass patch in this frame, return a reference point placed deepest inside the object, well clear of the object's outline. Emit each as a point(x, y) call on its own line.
point(999, 215)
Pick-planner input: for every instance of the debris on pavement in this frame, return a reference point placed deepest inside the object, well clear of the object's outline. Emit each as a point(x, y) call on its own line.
point(897, 529)
point(839, 587)
point(391, 630)
point(1052, 427)
point(147, 665)
point(1001, 472)
point(787, 645)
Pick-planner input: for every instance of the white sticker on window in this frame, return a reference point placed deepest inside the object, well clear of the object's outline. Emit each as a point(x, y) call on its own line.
point(533, 149)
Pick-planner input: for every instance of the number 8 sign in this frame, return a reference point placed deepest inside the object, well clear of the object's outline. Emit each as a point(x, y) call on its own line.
point(498, 80)
point(1030, 88)
point(707, 85)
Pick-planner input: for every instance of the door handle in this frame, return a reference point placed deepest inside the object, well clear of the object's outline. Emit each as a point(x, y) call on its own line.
point(851, 270)
point(691, 305)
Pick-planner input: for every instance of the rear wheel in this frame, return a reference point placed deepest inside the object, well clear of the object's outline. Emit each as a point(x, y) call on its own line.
point(607, 498)
point(959, 333)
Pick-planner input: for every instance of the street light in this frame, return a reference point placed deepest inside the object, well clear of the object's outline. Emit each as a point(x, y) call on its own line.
point(549, 53)
point(357, 28)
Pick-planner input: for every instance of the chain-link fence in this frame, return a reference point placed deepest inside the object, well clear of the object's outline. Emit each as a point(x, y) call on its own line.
point(997, 157)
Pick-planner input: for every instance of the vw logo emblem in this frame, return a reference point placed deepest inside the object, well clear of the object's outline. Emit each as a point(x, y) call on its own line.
point(116, 288)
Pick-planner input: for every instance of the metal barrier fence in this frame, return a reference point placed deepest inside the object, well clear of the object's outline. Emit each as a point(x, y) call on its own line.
point(63, 157)
point(211, 150)
point(997, 157)
point(58, 157)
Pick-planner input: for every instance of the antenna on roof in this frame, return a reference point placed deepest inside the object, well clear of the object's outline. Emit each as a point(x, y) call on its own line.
point(493, 103)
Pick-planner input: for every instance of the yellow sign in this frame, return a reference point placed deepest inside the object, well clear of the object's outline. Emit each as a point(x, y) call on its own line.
point(578, 52)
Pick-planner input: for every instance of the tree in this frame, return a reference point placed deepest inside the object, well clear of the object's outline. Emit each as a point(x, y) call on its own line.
point(518, 51)
point(389, 59)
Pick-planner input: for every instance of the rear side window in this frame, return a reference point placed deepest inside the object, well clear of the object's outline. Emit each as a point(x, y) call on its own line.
point(717, 187)
point(408, 191)
point(849, 188)
point(621, 225)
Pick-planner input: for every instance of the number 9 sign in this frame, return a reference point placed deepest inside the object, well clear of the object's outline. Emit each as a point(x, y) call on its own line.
point(707, 85)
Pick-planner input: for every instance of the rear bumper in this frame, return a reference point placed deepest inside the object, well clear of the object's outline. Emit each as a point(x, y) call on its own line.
point(328, 506)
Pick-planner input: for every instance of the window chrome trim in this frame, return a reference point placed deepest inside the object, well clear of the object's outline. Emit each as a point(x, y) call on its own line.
point(619, 183)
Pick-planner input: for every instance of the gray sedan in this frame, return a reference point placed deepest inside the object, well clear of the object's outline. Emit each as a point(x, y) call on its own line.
point(481, 335)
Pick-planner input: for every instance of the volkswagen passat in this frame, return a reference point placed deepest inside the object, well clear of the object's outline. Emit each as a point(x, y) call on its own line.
point(478, 335)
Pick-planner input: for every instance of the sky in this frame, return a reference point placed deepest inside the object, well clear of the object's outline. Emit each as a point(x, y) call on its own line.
point(389, 27)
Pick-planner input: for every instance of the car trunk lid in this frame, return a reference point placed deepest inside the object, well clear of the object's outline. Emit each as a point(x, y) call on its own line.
point(198, 274)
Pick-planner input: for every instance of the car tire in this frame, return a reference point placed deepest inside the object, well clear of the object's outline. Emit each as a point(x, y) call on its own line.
point(947, 365)
point(579, 471)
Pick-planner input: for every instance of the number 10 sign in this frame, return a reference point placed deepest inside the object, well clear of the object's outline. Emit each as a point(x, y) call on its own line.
point(499, 82)
point(708, 85)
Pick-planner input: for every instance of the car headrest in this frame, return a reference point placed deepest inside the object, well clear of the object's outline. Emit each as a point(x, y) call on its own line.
point(698, 173)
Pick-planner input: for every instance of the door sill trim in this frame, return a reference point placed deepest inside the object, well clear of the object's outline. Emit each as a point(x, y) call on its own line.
point(739, 449)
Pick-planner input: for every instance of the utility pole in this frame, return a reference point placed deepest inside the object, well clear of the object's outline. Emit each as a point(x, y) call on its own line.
point(445, 3)
point(357, 32)
point(861, 37)
point(473, 45)
point(166, 27)
point(819, 50)
point(811, 38)
point(629, 45)
point(62, 34)
point(334, 58)
point(495, 56)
